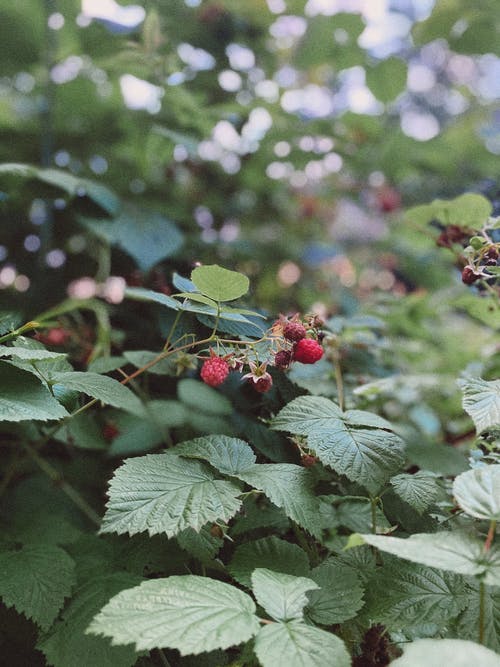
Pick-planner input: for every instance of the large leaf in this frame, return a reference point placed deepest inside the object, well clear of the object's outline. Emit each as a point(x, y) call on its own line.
point(478, 492)
point(189, 613)
point(163, 493)
point(282, 596)
point(468, 210)
point(29, 354)
point(24, 397)
point(354, 443)
point(439, 652)
point(482, 401)
point(467, 626)
point(387, 79)
point(419, 489)
point(146, 236)
point(103, 388)
point(230, 456)
point(270, 553)
point(456, 552)
point(295, 644)
point(67, 645)
point(340, 596)
point(218, 283)
point(402, 595)
point(290, 487)
point(200, 397)
point(35, 580)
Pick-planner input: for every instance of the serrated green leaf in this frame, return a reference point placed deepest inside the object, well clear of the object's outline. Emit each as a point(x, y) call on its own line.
point(141, 294)
point(218, 283)
point(35, 580)
point(402, 595)
point(82, 431)
point(365, 454)
point(24, 397)
point(282, 596)
point(478, 492)
point(298, 645)
point(387, 79)
point(439, 652)
point(103, 388)
point(418, 490)
point(67, 645)
point(468, 210)
point(340, 596)
point(454, 552)
point(290, 487)
point(162, 493)
point(467, 626)
point(28, 353)
point(201, 397)
point(481, 401)
point(189, 613)
point(202, 545)
point(139, 358)
point(230, 456)
point(270, 553)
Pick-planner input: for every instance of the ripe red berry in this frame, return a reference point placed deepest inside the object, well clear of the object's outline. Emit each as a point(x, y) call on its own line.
point(308, 460)
point(214, 371)
point(294, 331)
point(490, 256)
point(282, 359)
point(57, 336)
point(263, 384)
point(469, 276)
point(307, 351)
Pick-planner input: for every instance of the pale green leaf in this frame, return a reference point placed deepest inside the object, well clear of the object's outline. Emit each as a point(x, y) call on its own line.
point(202, 398)
point(218, 283)
point(163, 493)
point(478, 492)
point(230, 456)
point(35, 580)
point(456, 552)
point(295, 644)
point(340, 596)
point(103, 388)
point(282, 596)
point(306, 415)
point(290, 487)
point(140, 358)
point(67, 645)
point(24, 397)
point(481, 401)
point(439, 652)
point(270, 553)
point(418, 490)
point(141, 294)
point(29, 354)
point(189, 613)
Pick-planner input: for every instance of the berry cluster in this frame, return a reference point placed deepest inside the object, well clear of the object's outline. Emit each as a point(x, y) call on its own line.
point(299, 341)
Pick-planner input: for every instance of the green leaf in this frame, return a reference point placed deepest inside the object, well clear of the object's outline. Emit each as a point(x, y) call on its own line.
point(295, 644)
point(290, 487)
point(163, 493)
point(270, 553)
point(481, 401)
point(146, 236)
point(467, 626)
point(202, 545)
point(282, 596)
point(141, 294)
point(82, 431)
point(455, 552)
point(67, 645)
point(230, 456)
point(29, 354)
point(202, 398)
point(140, 358)
point(439, 652)
point(468, 210)
point(418, 490)
point(24, 397)
point(218, 283)
point(387, 79)
point(478, 492)
point(354, 443)
point(103, 388)
point(189, 613)
point(321, 45)
point(340, 596)
point(35, 580)
point(402, 595)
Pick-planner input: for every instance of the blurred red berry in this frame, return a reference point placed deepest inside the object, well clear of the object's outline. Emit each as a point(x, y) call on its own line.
point(294, 331)
point(307, 351)
point(282, 359)
point(110, 431)
point(469, 276)
point(263, 384)
point(57, 336)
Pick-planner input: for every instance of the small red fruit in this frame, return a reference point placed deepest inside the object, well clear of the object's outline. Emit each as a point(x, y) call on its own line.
point(57, 336)
point(307, 351)
point(469, 276)
point(110, 432)
point(263, 384)
point(294, 331)
point(214, 371)
point(308, 460)
point(282, 359)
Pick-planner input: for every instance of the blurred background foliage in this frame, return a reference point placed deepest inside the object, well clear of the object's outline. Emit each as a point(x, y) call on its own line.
point(278, 137)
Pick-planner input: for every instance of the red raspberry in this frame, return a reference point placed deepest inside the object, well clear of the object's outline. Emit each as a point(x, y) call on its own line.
point(263, 384)
point(57, 336)
point(282, 359)
point(294, 331)
point(469, 276)
point(490, 256)
point(308, 460)
point(214, 371)
point(307, 351)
